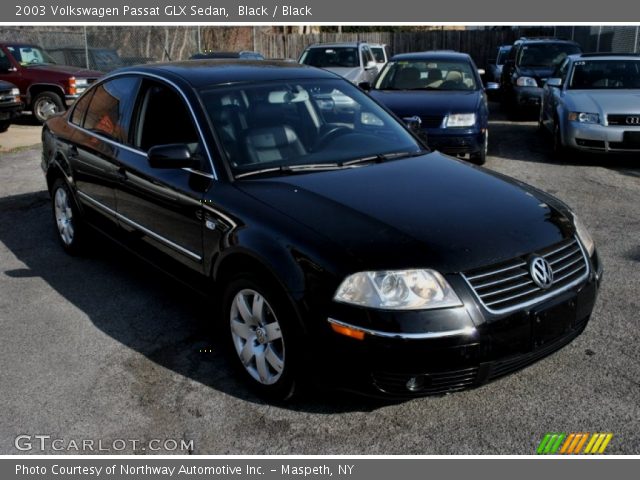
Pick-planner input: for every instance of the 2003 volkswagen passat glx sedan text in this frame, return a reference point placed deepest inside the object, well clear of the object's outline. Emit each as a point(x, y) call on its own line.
point(342, 248)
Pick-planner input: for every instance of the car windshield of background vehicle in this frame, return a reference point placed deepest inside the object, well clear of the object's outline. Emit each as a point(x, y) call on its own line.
point(427, 75)
point(306, 122)
point(333, 57)
point(27, 55)
point(605, 74)
point(503, 53)
point(545, 54)
point(378, 53)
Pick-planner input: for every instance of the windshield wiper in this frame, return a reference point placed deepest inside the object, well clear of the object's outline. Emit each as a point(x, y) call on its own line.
point(382, 158)
point(286, 169)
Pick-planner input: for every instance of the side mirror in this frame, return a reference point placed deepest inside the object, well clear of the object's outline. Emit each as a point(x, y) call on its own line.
point(175, 155)
point(366, 86)
point(554, 82)
point(371, 64)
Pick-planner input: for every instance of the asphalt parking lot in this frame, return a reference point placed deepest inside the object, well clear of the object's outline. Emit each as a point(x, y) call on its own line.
point(104, 347)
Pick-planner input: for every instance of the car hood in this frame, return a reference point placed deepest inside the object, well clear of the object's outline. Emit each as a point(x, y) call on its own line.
point(604, 101)
point(68, 70)
point(406, 103)
point(430, 211)
point(350, 73)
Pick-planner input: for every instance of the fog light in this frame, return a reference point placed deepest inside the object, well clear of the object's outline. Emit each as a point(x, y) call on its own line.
point(415, 383)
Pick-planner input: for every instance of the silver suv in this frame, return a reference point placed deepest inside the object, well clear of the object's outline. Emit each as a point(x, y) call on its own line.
point(353, 60)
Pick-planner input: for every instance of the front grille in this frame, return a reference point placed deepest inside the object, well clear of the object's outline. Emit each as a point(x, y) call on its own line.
point(6, 97)
point(431, 121)
point(590, 143)
point(432, 383)
point(621, 119)
point(508, 286)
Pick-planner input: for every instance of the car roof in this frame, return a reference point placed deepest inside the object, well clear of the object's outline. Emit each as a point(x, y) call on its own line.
point(545, 40)
point(210, 72)
point(432, 55)
point(606, 56)
point(337, 44)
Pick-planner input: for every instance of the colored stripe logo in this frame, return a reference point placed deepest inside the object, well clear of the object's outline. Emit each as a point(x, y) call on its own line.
point(574, 443)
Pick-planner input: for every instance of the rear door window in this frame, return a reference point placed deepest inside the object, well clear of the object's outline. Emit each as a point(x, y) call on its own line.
point(110, 109)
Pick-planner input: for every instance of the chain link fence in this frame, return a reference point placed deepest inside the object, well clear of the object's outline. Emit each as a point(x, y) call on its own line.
point(110, 47)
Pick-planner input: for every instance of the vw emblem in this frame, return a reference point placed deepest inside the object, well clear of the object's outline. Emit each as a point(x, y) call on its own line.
point(632, 120)
point(541, 272)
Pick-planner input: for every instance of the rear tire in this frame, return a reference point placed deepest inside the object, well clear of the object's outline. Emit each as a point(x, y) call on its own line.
point(260, 327)
point(4, 125)
point(45, 105)
point(70, 228)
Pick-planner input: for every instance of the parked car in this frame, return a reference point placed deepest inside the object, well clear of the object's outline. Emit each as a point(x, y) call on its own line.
point(495, 69)
point(45, 88)
point(380, 54)
point(592, 103)
point(353, 61)
point(102, 59)
point(244, 55)
point(343, 251)
point(10, 104)
point(530, 63)
point(444, 91)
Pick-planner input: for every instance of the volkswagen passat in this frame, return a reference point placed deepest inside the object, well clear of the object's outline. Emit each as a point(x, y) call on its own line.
point(341, 247)
point(592, 103)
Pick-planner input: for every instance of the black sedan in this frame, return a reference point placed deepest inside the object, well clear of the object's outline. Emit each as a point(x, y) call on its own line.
point(342, 249)
point(10, 104)
point(444, 92)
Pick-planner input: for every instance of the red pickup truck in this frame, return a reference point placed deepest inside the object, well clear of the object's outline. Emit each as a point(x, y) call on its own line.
point(45, 88)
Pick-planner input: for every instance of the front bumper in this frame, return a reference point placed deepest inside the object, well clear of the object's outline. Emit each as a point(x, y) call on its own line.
point(600, 138)
point(452, 142)
point(10, 111)
point(447, 350)
point(528, 97)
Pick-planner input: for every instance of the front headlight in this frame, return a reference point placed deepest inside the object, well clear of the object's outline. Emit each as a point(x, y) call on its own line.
point(583, 235)
point(526, 82)
point(397, 290)
point(583, 117)
point(460, 120)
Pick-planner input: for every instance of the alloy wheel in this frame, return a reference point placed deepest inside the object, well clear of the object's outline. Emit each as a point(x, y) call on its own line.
point(64, 216)
point(257, 336)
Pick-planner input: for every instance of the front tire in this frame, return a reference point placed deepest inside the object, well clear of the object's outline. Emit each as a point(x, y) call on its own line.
point(45, 105)
point(69, 224)
point(4, 125)
point(260, 326)
point(480, 158)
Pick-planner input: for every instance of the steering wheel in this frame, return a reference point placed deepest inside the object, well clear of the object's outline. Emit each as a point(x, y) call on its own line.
point(329, 135)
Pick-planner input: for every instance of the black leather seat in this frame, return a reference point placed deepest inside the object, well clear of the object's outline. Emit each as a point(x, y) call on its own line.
point(273, 144)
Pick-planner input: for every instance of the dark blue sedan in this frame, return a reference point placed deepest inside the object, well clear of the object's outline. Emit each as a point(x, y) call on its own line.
point(443, 89)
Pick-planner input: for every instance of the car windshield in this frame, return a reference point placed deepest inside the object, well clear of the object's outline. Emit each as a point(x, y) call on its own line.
point(503, 53)
point(28, 55)
point(545, 54)
point(605, 74)
point(310, 124)
point(427, 75)
point(378, 53)
point(331, 57)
